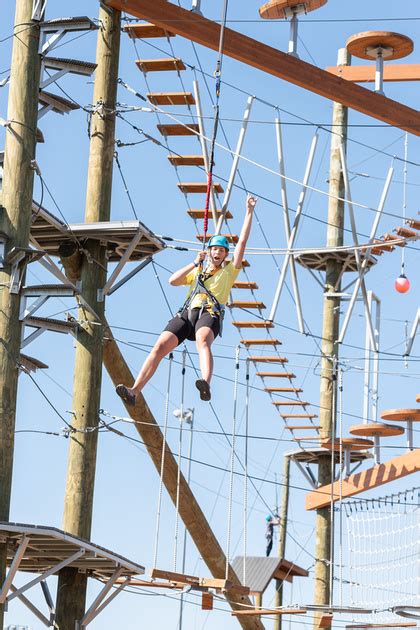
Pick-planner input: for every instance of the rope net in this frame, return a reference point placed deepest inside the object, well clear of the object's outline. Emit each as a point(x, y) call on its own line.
point(384, 554)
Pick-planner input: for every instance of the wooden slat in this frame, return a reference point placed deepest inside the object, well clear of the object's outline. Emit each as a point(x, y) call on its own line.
point(145, 31)
point(276, 374)
point(290, 403)
point(261, 342)
point(258, 612)
point(268, 359)
point(298, 415)
point(273, 61)
point(171, 98)
point(296, 390)
point(174, 577)
point(301, 427)
point(253, 324)
point(198, 187)
point(199, 214)
point(178, 130)
point(379, 475)
point(247, 304)
point(186, 160)
point(245, 285)
point(160, 65)
point(366, 74)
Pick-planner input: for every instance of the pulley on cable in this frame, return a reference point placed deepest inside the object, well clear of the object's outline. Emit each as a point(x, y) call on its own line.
point(402, 283)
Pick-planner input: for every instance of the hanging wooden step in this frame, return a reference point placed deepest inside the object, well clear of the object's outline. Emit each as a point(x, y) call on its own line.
point(198, 187)
point(171, 98)
point(290, 403)
point(276, 374)
point(245, 285)
point(261, 342)
point(245, 304)
point(160, 65)
point(284, 390)
point(31, 364)
point(145, 30)
point(301, 427)
point(59, 104)
point(254, 324)
point(232, 238)
point(178, 130)
point(75, 66)
point(268, 359)
point(199, 214)
point(298, 415)
point(186, 160)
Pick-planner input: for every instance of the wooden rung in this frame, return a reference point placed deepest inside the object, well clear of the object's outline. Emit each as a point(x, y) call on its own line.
point(199, 214)
point(298, 427)
point(325, 621)
point(276, 374)
point(198, 187)
point(256, 324)
point(313, 438)
point(245, 285)
point(232, 238)
point(160, 65)
point(171, 98)
point(261, 342)
point(268, 359)
point(259, 612)
point(178, 130)
point(174, 577)
point(298, 415)
point(290, 403)
point(296, 390)
point(145, 31)
point(186, 160)
point(245, 304)
point(414, 223)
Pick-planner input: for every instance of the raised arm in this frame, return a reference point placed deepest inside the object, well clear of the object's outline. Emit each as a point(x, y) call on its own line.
point(178, 278)
point(246, 229)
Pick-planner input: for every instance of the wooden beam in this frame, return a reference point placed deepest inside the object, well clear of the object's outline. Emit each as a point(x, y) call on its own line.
point(258, 612)
point(366, 74)
point(189, 509)
point(275, 62)
point(366, 480)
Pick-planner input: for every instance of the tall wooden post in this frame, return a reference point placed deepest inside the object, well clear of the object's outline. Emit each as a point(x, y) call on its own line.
point(329, 348)
point(78, 506)
point(15, 218)
point(282, 537)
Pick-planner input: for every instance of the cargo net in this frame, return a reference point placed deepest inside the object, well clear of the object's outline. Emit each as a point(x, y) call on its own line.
point(384, 555)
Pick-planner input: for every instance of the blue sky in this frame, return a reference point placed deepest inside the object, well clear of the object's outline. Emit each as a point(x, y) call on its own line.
point(126, 482)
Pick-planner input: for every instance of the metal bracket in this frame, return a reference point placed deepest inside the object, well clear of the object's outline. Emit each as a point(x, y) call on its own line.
point(124, 259)
point(100, 602)
point(52, 41)
point(38, 10)
point(52, 78)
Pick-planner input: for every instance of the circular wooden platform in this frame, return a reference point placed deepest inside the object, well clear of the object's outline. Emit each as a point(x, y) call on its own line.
point(311, 456)
point(277, 9)
point(349, 443)
point(401, 415)
point(418, 398)
point(376, 429)
point(395, 45)
point(318, 260)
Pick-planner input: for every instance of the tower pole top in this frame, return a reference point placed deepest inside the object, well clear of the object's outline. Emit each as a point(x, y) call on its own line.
point(278, 9)
point(392, 45)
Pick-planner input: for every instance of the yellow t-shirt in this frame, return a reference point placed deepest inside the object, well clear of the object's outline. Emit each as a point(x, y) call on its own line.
point(218, 284)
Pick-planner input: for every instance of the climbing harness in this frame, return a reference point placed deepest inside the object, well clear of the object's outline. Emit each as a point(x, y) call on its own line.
point(217, 310)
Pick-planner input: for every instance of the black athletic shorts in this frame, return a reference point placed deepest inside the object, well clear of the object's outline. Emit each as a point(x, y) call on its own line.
point(185, 328)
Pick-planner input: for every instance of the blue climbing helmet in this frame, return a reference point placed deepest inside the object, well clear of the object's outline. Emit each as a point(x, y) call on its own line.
point(218, 241)
point(268, 518)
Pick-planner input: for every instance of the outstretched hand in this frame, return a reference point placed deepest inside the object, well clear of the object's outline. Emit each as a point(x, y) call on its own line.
point(251, 202)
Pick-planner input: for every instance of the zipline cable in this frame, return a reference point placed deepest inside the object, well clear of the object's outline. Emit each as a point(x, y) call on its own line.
point(232, 459)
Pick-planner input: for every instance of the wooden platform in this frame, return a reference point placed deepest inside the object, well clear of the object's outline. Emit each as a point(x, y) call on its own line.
point(178, 130)
point(278, 9)
point(393, 45)
point(247, 50)
point(318, 260)
point(401, 415)
point(186, 160)
point(376, 429)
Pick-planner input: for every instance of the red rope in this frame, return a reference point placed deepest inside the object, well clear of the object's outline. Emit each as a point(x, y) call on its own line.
point(207, 206)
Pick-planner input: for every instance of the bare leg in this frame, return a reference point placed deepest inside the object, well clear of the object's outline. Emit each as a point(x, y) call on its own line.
point(204, 338)
point(164, 345)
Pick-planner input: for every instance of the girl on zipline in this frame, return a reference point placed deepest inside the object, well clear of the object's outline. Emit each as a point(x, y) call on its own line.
point(201, 316)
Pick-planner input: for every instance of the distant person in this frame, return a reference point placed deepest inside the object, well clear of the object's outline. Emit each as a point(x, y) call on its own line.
point(271, 521)
point(210, 278)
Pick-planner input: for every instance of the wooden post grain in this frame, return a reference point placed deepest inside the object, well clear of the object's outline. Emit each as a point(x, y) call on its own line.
point(78, 505)
point(278, 602)
point(329, 347)
point(15, 218)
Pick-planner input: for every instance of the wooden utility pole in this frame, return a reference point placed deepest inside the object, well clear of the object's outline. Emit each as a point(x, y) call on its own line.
point(329, 347)
point(282, 537)
point(189, 510)
point(15, 219)
point(78, 506)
